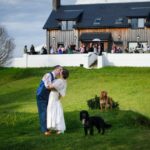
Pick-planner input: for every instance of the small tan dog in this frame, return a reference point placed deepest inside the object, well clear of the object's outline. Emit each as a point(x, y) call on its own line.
point(105, 101)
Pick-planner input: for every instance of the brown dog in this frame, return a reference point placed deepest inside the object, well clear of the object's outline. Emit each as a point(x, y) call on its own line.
point(105, 101)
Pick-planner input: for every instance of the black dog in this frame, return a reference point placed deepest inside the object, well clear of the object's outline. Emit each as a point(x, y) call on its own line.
point(90, 122)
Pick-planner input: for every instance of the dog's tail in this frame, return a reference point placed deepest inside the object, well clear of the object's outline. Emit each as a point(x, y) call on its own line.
point(107, 126)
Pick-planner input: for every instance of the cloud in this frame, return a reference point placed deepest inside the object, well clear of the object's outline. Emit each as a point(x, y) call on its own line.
point(104, 1)
point(16, 2)
point(25, 33)
point(68, 2)
point(22, 26)
point(10, 2)
point(24, 21)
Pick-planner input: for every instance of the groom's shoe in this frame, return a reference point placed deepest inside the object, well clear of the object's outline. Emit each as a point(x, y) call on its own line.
point(47, 133)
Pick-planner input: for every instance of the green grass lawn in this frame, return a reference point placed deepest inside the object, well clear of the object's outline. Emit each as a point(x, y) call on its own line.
point(130, 87)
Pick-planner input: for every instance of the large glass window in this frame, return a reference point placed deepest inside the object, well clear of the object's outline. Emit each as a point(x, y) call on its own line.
point(141, 23)
point(70, 25)
point(137, 23)
point(67, 25)
point(63, 25)
point(137, 46)
point(134, 23)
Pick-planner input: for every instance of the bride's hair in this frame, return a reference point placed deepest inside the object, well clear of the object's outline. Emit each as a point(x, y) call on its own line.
point(65, 73)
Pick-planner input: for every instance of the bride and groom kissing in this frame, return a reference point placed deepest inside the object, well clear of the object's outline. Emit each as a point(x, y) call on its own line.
point(52, 87)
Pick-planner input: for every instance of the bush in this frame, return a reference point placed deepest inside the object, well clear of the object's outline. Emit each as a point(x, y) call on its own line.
point(95, 104)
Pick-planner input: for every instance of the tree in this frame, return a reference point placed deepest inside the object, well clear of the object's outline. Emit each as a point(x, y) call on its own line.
point(6, 46)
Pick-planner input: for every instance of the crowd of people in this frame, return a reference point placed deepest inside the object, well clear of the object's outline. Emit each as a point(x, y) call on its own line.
point(70, 49)
point(116, 49)
point(85, 48)
point(32, 50)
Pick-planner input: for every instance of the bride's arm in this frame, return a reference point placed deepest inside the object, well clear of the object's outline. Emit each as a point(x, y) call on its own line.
point(51, 87)
point(56, 85)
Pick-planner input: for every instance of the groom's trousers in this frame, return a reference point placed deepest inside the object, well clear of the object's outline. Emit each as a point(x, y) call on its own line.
point(42, 97)
point(42, 103)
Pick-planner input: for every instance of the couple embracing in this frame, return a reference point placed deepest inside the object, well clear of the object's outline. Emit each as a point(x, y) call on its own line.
point(52, 87)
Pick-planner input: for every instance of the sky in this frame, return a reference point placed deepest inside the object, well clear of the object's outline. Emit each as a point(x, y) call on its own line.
point(24, 19)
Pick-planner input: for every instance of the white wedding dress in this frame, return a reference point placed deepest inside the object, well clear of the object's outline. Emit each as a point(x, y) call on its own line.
point(55, 115)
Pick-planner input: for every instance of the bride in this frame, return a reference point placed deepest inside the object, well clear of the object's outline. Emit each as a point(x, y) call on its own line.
point(55, 115)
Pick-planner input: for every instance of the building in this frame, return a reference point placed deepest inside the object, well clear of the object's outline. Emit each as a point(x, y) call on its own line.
point(122, 24)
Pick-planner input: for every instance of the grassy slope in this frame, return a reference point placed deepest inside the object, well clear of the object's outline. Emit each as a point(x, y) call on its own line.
point(128, 86)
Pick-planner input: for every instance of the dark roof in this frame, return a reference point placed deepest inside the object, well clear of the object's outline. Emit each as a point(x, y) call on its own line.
point(108, 12)
point(69, 15)
point(102, 36)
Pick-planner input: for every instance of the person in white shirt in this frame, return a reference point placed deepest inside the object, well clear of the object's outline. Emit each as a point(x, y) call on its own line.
point(55, 115)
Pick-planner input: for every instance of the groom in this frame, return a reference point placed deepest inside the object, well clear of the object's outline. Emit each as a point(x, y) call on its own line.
point(42, 96)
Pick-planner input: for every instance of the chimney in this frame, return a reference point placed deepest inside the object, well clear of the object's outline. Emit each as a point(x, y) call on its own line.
point(56, 4)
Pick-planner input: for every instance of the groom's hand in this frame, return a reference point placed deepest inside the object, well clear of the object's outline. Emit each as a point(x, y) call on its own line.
point(51, 87)
point(60, 96)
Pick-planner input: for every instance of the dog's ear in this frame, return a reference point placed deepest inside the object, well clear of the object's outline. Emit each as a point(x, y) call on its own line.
point(80, 115)
point(87, 115)
point(84, 114)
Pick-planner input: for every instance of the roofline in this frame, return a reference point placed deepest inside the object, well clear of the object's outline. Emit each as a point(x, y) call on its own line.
point(102, 27)
point(107, 3)
point(78, 28)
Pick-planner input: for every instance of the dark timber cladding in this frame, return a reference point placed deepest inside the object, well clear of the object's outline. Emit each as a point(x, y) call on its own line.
point(123, 21)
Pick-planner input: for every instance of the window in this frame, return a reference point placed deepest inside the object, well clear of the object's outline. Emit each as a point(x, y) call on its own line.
point(141, 23)
point(97, 21)
point(136, 46)
point(67, 25)
point(71, 25)
point(63, 25)
point(134, 23)
point(137, 23)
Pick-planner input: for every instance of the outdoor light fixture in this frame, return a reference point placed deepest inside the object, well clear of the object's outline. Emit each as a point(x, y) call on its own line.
point(138, 37)
point(119, 37)
point(75, 37)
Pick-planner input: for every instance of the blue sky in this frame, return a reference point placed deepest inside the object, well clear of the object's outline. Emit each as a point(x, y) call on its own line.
point(24, 19)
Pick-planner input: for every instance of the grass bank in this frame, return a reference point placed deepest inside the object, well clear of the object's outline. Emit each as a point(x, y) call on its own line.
point(19, 128)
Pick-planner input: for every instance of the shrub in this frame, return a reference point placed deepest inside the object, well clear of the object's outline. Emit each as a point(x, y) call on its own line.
point(94, 103)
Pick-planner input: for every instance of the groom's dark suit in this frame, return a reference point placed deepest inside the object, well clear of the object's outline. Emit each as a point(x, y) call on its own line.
point(42, 96)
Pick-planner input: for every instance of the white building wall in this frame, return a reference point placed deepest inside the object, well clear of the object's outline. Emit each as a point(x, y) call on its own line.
point(124, 60)
point(85, 60)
